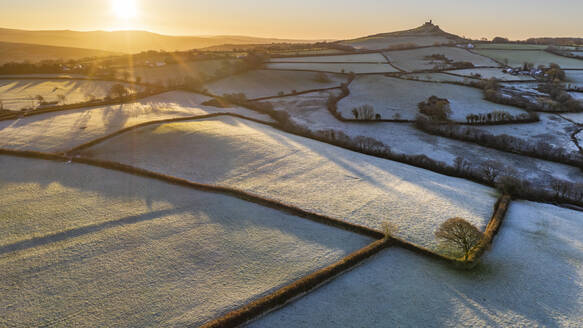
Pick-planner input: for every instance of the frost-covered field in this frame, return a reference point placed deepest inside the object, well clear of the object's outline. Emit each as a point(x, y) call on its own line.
point(161, 75)
point(85, 246)
point(335, 67)
point(414, 60)
point(310, 111)
point(19, 94)
point(532, 277)
point(519, 57)
point(575, 117)
point(384, 42)
point(551, 129)
point(575, 77)
point(312, 175)
point(265, 83)
point(398, 98)
point(367, 58)
point(435, 77)
point(487, 73)
point(61, 131)
point(511, 46)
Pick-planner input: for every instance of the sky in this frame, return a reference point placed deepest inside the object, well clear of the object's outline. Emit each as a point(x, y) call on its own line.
point(301, 19)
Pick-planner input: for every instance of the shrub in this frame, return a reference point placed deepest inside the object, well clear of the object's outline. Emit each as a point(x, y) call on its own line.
point(435, 108)
point(322, 77)
point(460, 234)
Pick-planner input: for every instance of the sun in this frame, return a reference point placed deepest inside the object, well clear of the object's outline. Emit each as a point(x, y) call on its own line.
point(125, 9)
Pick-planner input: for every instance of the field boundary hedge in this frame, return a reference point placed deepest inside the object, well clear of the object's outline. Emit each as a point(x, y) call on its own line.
point(295, 94)
point(296, 289)
point(294, 210)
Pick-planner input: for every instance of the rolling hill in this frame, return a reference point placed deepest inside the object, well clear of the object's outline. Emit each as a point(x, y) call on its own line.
point(20, 52)
point(127, 41)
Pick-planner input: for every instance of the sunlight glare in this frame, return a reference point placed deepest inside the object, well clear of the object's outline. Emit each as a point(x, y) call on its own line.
point(125, 9)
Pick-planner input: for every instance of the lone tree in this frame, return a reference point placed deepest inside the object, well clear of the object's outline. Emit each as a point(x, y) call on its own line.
point(460, 234)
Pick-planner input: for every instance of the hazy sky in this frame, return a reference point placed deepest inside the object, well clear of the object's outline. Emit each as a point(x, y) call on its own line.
point(306, 19)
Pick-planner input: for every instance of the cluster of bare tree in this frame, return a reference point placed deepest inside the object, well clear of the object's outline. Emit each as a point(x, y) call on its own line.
point(501, 117)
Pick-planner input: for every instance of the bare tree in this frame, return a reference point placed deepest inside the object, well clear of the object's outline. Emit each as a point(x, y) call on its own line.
point(118, 91)
point(460, 234)
point(364, 112)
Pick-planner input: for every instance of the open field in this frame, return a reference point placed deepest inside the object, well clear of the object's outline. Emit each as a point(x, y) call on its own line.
point(511, 46)
point(384, 42)
point(531, 277)
point(398, 98)
point(19, 94)
point(435, 77)
point(575, 77)
point(91, 247)
point(575, 117)
point(335, 67)
point(265, 83)
point(61, 131)
point(311, 175)
point(310, 111)
point(517, 58)
point(175, 72)
point(488, 73)
point(368, 58)
point(414, 60)
point(551, 130)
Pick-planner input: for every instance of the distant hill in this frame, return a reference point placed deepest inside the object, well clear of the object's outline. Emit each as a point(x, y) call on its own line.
point(20, 52)
point(426, 35)
point(128, 41)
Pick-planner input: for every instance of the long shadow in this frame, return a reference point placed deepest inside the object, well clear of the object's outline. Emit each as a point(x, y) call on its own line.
point(77, 232)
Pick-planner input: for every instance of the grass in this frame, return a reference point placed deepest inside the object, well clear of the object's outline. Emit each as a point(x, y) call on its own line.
point(537, 57)
point(335, 67)
point(18, 94)
point(414, 60)
point(141, 252)
point(391, 97)
point(265, 83)
point(61, 131)
point(301, 172)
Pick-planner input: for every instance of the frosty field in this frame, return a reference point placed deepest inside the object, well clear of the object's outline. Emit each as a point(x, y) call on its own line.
point(488, 73)
point(517, 58)
point(532, 277)
point(266, 83)
point(393, 98)
point(19, 94)
point(161, 75)
point(335, 67)
point(312, 175)
point(368, 58)
point(85, 246)
point(61, 131)
point(309, 110)
point(414, 60)
point(384, 42)
point(575, 77)
point(511, 46)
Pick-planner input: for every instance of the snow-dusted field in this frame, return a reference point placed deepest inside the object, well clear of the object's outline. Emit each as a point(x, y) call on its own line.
point(384, 42)
point(532, 277)
point(61, 131)
point(85, 246)
point(575, 77)
point(575, 117)
point(312, 175)
point(414, 60)
point(335, 67)
point(398, 98)
point(367, 58)
point(161, 75)
point(310, 111)
point(19, 94)
point(551, 129)
point(511, 46)
point(265, 83)
point(487, 73)
point(435, 77)
point(519, 57)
